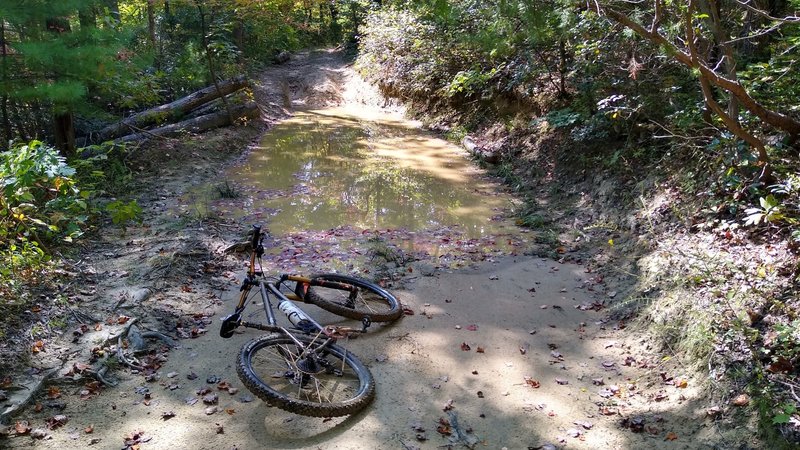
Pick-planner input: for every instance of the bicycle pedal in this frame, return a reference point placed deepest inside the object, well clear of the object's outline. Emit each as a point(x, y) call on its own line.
point(229, 324)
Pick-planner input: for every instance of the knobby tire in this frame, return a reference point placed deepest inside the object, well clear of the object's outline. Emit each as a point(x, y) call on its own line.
point(272, 369)
point(372, 300)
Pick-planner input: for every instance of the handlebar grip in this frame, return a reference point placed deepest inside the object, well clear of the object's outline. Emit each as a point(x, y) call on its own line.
point(256, 235)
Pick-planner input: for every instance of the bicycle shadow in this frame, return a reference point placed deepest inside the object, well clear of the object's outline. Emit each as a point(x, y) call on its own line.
point(287, 430)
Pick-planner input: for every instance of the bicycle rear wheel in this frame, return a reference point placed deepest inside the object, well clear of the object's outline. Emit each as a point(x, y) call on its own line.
point(368, 300)
point(318, 381)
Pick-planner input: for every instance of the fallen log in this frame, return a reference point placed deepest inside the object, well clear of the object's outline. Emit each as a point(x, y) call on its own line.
point(171, 111)
point(207, 122)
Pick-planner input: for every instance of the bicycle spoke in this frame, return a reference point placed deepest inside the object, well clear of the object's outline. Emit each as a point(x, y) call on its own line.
point(318, 382)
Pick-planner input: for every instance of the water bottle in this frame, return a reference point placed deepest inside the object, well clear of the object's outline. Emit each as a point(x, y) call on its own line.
point(295, 314)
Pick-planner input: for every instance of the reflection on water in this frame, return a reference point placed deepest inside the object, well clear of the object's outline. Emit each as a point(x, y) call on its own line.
point(333, 167)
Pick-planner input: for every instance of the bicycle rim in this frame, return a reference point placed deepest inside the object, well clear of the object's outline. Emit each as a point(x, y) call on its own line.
point(370, 300)
point(320, 381)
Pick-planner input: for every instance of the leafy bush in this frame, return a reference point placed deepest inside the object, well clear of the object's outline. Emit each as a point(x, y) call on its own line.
point(40, 197)
point(40, 203)
point(122, 213)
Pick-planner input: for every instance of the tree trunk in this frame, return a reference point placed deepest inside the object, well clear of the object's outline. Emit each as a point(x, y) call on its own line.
point(151, 23)
point(173, 110)
point(63, 119)
point(4, 68)
point(210, 60)
point(87, 17)
point(210, 121)
point(64, 133)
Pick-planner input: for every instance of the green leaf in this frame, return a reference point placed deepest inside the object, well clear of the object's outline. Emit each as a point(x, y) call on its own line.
point(781, 418)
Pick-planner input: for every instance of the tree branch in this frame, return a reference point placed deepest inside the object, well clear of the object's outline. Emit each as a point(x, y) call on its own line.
point(776, 119)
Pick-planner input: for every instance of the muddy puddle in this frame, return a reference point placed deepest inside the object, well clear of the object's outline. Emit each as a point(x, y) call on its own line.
point(355, 173)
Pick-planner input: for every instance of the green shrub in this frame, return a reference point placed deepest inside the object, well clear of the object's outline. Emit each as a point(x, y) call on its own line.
point(122, 213)
point(40, 203)
point(40, 197)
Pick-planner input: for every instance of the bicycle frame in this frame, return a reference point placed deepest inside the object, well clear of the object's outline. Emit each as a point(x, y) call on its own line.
point(303, 322)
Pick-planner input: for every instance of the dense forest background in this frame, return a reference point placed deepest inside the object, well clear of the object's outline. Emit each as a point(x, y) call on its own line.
point(694, 101)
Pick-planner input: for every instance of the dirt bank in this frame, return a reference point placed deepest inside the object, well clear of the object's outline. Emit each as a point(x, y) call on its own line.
point(514, 352)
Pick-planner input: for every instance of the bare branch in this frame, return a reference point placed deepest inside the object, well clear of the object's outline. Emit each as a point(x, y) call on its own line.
point(730, 123)
point(774, 118)
point(762, 13)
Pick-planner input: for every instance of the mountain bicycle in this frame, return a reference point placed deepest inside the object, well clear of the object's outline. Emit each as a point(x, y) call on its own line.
point(299, 368)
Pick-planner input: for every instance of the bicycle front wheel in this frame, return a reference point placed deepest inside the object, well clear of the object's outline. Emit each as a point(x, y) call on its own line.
point(367, 300)
point(312, 379)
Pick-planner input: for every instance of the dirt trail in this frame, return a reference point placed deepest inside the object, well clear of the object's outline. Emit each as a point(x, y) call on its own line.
point(517, 350)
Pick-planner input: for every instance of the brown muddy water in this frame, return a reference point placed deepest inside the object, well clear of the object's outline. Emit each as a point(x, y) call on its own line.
point(326, 168)
point(358, 171)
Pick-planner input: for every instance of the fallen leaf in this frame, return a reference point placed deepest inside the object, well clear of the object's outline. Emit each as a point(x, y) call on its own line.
point(122, 320)
point(89, 429)
point(681, 383)
point(472, 327)
point(532, 383)
point(605, 393)
point(39, 433)
point(671, 436)
point(444, 427)
point(57, 421)
point(230, 411)
point(465, 347)
point(22, 427)
point(606, 411)
point(479, 349)
point(741, 400)
point(53, 393)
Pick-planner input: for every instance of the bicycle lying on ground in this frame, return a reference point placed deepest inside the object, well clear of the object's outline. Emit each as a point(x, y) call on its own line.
point(300, 368)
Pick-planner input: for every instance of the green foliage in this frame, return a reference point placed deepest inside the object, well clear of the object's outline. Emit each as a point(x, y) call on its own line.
point(787, 410)
point(560, 118)
point(104, 173)
point(39, 203)
point(769, 211)
point(469, 82)
point(40, 197)
point(122, 213)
